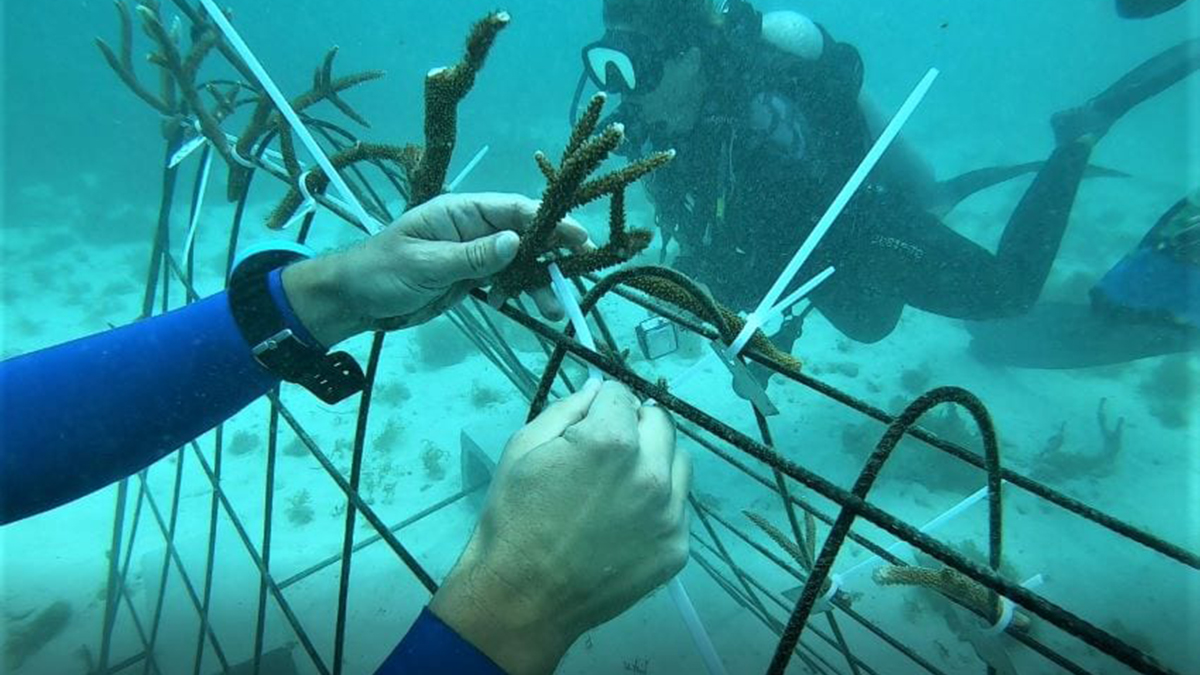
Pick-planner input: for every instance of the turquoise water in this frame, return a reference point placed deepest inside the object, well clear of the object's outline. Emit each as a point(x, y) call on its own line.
point(81, 163)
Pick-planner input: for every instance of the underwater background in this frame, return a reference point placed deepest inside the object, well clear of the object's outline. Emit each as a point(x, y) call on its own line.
point(81, 167)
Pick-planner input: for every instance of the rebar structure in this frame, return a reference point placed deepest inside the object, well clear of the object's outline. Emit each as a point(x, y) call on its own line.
point(821, 631)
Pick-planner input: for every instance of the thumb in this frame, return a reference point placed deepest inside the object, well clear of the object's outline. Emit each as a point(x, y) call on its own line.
point(484, 257)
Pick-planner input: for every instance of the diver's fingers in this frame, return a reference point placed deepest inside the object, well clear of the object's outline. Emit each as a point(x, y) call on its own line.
point(552, 422)
point(681, 486)
point(656, 437)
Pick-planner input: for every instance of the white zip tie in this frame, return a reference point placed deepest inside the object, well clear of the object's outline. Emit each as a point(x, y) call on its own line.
point(205, 170)
point(462, 175)
point(835, 209)
point(186, 150)
point(307, 206)
point(1008, 608)
point(290, 115)
point(949, 514)
point(824, 602)
point(757, 320)
point(691, 619)
point(566, 297)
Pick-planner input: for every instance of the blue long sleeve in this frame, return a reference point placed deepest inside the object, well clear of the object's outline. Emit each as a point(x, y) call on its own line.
point(433, 648)
point(78, 416)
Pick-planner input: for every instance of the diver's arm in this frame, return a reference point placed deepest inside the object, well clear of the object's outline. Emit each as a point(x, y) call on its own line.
point(78, 416)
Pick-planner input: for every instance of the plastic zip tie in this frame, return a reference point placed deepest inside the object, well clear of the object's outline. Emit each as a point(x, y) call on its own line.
point(190, 240)
point(758, 319)
point(843, 197)
point(307, 206)
point(566, 297)
point(276, 166)
point(691, 619)
point(466, 171)
point(1008, 608)
point(186, 150)
point(285, 108)
point(825, 602)
point(946, 516)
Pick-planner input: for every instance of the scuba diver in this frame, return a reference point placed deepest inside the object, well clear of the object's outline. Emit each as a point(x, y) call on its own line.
point(766, 117)
point(1147, 305)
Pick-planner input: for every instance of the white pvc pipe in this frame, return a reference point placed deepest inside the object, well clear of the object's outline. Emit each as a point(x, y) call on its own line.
point(285, 108)
point(835, 209)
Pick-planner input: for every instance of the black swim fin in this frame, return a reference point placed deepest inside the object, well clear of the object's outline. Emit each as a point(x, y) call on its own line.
point(949, 193)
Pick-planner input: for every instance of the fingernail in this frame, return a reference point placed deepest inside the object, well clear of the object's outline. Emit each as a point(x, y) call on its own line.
point(506, 244)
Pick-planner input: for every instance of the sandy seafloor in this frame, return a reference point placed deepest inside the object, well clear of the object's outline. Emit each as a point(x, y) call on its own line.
point(64, 276)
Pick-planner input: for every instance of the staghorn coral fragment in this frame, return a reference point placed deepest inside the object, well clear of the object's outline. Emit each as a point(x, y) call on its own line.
point(950, 583)
point(567, 188)
point(802, 556)
point(325, 87)
point(444, 89)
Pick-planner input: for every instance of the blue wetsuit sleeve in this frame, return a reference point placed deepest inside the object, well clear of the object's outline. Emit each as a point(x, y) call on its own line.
point(78, 416)
point(433, 648)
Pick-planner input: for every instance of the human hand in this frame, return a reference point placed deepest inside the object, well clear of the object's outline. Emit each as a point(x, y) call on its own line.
point(585, 516)
point(419, 266)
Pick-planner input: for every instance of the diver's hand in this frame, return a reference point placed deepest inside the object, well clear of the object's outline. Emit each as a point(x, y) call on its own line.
point(584, 517)
point(418, 267)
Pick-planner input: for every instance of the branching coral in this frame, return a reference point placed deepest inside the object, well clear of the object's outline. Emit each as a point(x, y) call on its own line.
point(180, 98)
point(444, 89)
point(568, 188)
point(804, 553)
point(950, 583)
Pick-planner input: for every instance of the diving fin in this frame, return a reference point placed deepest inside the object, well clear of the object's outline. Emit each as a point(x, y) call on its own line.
point(951, 192)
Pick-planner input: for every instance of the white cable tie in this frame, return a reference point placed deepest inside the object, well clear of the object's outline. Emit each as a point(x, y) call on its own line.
point(190, 239)
point(691, 619)
point(566, 297)
point(237, 157)
point(289, 114)
point(186, 150)
point(1008, 608)
point(462, 175)
point(760, 318)
point(824, 602)
point(843, 197)
point(946, 516)
point(307, 206)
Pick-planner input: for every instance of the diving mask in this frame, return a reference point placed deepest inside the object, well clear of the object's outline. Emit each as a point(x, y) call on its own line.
point(623, 62)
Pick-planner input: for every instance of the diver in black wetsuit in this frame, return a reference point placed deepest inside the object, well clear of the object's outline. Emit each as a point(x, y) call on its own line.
point(765, 113)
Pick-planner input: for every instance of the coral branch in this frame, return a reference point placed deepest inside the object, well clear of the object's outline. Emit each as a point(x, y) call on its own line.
point(444, 89)
point(950, 583)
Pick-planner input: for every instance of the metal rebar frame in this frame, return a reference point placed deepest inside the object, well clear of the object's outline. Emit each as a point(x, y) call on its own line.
point(722, 550)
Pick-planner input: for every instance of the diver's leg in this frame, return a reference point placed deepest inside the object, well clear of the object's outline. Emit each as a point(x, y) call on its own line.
point(1143, 82)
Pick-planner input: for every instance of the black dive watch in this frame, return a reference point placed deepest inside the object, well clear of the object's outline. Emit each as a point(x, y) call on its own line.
point(331, 377)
